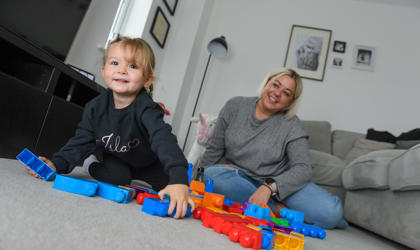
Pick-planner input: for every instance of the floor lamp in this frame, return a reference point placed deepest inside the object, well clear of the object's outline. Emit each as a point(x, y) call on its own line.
point(217, 47)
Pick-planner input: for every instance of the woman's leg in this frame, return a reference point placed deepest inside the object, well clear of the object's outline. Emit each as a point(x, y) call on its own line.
point(111, 170)
point(320, 207)
point(230, 182)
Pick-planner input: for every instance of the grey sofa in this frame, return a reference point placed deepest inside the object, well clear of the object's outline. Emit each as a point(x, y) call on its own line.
point(379, 185)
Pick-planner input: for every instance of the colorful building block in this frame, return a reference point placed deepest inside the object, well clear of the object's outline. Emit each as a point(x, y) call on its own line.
point(160, 207)
point(258, 212)
point(114, 193)
point(190, 172)
point(209, 186)
point(292, 241)
point(281, 222)
point(213, 200)
point(268, 238)
point(140, 197)
point(75, 185)
point(197, 186)
point(246, 236)
point(280, 228)
point(36, 165)
point(308, 230)
point(292, 215)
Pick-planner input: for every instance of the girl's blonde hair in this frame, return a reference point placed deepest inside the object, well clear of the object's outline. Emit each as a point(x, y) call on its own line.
point(138, 44)
point(291, 110)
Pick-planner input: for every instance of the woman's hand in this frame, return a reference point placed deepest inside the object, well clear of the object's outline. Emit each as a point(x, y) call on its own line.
point(261, 195)
point(46, 161)
point(180, 199)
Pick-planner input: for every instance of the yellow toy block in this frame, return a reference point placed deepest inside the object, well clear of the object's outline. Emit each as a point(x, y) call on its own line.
point(294, 241)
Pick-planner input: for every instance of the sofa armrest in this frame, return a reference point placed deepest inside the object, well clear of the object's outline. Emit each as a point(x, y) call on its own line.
point(327, 168)
point(404, 171)
point(369, 170)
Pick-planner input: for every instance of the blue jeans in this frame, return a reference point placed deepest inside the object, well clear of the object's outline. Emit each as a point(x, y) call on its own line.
point(320, 207)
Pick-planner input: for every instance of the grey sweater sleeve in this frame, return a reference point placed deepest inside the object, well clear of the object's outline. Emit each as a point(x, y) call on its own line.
point(299, 172)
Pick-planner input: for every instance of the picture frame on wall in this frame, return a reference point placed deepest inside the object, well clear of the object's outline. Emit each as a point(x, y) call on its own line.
point(308, 50)
point(337, 62)
point(339, 46)
point(364, 57)
point(160, 27)
point(171, 5)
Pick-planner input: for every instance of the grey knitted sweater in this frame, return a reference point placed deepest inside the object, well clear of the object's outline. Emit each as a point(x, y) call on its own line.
point(275, 147)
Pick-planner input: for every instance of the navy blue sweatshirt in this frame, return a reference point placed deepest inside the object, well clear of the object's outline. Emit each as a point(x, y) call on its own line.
point(135, 134)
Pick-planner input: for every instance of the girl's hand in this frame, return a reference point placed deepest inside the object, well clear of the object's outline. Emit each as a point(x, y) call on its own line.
point(260, 196)
point(180, 199)
point(46, 161)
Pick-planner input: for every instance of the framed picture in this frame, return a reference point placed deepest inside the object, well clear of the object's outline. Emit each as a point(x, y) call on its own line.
point(307, 51)
point(337, 62)
point(364, 57)
point(171, 5)
point(160, 27)
point(339, 46)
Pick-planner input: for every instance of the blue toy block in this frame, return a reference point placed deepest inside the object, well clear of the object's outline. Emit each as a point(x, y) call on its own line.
point(292, 215)
point(308, 230)
point(257, 211)
point(269, 238)
point(189, 173)
point(228, 202)
point(75, 185)
point(160, 207)
point(114, 193)
point(36, 165)
point(209, 186)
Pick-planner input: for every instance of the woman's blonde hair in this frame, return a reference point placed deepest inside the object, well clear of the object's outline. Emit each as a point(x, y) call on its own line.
point(138, 44)
point(291, 110)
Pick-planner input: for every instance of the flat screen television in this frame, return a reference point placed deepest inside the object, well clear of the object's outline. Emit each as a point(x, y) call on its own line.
point(49, 24)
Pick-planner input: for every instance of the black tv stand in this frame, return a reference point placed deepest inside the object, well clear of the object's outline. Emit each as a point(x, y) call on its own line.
point(41, 98)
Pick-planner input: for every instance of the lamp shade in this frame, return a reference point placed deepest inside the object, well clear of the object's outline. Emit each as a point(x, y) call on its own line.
point(218, 47)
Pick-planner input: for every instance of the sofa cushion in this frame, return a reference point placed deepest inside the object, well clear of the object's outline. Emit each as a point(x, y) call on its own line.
point(342, 142)
point(319, 135)
point(404, 171)
point(363, 146)
point(406, 144)
point(370, 170)
point(327, 168)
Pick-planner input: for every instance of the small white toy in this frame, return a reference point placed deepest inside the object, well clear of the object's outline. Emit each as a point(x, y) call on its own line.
point(205, 129)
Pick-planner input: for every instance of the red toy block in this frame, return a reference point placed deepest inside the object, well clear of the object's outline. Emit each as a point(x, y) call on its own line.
point(232, 209)
point(246, 236)
point(256, 221)
point(213, 200)
point(141, 196)
point(198, 211)
point(197, 186)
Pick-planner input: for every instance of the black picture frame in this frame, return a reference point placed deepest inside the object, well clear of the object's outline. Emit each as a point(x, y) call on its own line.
point(160, 27)
point(171, 5)
point(339, 46)
point(307, 51)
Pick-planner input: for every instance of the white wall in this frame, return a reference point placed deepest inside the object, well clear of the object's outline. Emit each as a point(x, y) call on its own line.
point(87, 49)
point(258, 33)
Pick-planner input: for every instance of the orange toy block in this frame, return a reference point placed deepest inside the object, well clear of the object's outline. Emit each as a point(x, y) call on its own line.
point(213, 200)
point(197, 200)
point(197, 186)
point(294, 241)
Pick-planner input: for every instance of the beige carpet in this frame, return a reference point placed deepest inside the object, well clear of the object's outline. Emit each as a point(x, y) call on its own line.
point(33, 215)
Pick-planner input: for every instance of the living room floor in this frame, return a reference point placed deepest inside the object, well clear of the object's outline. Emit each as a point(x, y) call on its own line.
point(33, 215)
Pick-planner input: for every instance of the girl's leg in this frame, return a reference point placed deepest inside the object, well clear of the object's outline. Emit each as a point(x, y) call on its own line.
point(111, 170)
point(230, 182)
point(154, 175)
point(320, 207)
